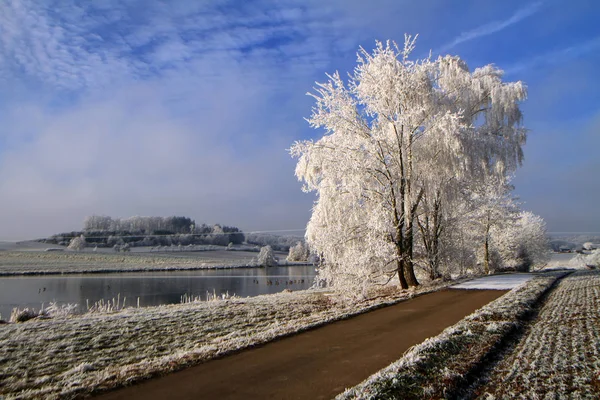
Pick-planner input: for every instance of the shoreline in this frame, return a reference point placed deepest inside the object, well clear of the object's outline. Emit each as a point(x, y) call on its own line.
point(39, 263)
point(4, 274)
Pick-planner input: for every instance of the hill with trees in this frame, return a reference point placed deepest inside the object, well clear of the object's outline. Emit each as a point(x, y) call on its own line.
point(104, 231)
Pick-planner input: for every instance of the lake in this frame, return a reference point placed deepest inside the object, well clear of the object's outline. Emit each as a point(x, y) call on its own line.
point(152, 288)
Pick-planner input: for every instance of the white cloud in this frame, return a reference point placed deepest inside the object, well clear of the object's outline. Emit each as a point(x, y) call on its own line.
point(127, 155)
point(493, 27)
point(185, 107)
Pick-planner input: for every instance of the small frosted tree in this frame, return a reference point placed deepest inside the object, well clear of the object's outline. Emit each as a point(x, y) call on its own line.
point(492, 212)
point(266, 257)
point(77, 243)
point(531, 249)
point(299, 252)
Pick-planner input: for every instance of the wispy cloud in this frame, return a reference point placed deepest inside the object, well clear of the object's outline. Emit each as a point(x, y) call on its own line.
point(557, 56)
point(494, 26)
point(185, 109)
point(75, 46)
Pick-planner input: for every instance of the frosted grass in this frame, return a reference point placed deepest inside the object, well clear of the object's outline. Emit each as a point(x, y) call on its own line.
point(77, 355)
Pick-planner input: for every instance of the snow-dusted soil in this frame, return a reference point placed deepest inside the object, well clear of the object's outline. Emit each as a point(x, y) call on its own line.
point(495, 282)
point(65, 357)
point(559, 356)
point(68, 262)
point(440, 367)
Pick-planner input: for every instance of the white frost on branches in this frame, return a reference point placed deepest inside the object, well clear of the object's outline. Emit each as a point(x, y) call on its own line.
point(77, 243)
point(299, 252)
point(400, 138)
point(266, 257)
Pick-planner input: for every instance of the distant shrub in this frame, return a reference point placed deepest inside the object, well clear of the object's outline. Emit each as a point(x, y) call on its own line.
point(266, 258)
point(18, 315)
point(77, 243)
point(299, 252)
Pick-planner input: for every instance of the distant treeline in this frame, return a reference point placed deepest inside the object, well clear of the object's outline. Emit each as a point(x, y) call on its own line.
point(104, 231)
point(277, 243)
point(572, 241)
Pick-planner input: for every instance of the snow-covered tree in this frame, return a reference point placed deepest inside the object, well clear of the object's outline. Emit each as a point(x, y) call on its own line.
point(390, 133)
point(532, 246)
point(266, 257)
point(299, 252)
point(491, 212)
point(77, 243)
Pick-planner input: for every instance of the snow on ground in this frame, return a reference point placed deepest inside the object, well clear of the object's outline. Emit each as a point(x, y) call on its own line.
point(495, 282)
point(559, 356)
point(70, 262)
point(77, 355)
point(437, 367)
point(27, 245)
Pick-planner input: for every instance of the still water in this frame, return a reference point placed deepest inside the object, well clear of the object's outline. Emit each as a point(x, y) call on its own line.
point(152, 288)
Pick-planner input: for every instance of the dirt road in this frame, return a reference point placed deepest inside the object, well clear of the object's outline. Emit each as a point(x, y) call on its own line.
point(320, 363)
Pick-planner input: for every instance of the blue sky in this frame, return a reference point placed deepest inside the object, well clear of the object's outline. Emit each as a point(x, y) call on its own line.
point(186, 107)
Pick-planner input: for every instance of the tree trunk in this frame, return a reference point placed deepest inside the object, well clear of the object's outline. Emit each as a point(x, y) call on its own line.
point(486, 248)
point(400, 253)
point(430, 234)
point(409, 220)
point(398, 242)
point(486, 255)
point(400, 270)
point(408, 267)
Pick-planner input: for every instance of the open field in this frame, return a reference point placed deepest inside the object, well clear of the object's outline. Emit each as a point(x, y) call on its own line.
point(560, 353)
point(67, 262)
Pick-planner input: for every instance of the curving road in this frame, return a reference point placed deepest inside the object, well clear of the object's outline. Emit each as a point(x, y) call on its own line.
point(320, 363)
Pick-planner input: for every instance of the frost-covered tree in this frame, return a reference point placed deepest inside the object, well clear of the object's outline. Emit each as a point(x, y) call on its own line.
point(394, 129)
point(491, 212)
point(266, 257)
point(77, 243)
point(531, 246)
point(299, 252)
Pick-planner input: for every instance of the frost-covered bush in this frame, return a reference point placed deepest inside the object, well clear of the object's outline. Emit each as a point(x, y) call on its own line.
point(299, 252)
point(122, 247)
point(18, 315)
point(77, 243)
point(527, 243)
point(586, 260)
point(54, 310)
point(266, 257)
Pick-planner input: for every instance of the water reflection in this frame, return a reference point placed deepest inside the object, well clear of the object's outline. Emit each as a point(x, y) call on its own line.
point(152, 288)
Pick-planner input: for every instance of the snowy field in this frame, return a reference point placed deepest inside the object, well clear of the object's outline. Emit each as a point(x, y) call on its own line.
point(28, 245)
point(61, 262)
point(64, 357)
point(439, 367)
point(560, 354)
point(496, 282)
